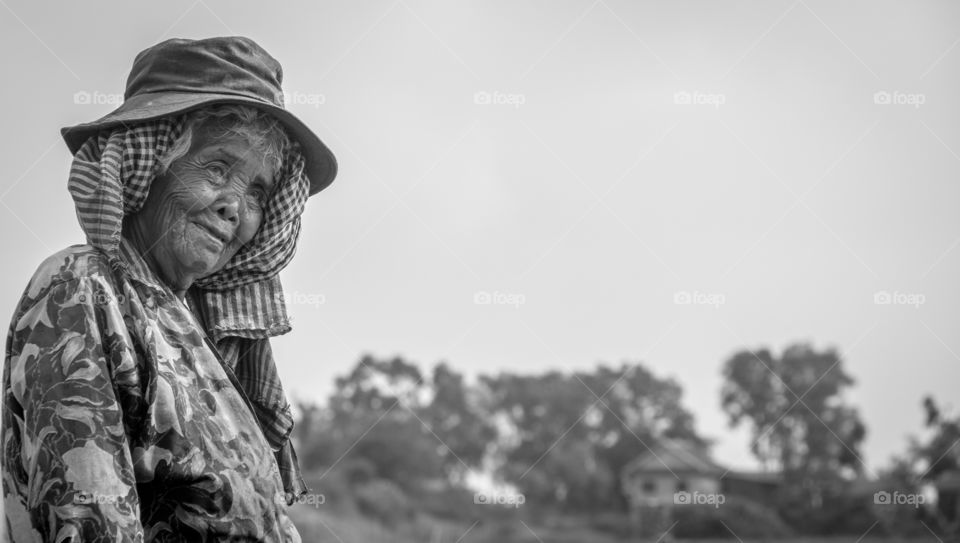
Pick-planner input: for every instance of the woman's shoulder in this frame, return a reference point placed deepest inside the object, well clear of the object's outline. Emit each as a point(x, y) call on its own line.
point(70, 265)
point(67, 282)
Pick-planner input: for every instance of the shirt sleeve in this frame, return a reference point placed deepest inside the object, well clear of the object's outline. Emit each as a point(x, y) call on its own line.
point(68, 473)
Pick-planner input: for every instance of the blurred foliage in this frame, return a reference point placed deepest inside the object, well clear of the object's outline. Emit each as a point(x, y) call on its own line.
point(737, 518)
point(384, 501)
point(934, 461)
point(392, 447)
point(566, 437)
point(407, 426)
point(561, 439)
point(801, 425)
point(939, 454)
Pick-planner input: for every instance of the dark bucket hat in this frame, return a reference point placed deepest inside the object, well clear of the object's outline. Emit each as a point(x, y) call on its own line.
point(179, 75)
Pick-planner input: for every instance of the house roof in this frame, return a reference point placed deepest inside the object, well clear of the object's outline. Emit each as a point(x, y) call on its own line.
point(673, 456)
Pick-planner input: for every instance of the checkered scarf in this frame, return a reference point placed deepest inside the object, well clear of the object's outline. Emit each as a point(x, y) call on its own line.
point(242, 304)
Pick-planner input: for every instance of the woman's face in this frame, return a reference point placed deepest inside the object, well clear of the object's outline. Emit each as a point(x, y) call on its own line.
point(208, 204)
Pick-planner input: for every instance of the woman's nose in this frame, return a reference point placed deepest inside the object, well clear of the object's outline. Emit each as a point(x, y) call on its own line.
point(228, 207)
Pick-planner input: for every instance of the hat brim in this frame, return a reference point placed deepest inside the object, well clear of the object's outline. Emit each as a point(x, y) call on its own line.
point(320, 164)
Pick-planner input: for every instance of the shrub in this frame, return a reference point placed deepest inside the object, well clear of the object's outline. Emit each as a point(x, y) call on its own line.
point(451, 504)
point(735, 518)
point(335, 487)
point(618, 524)
point(384, 501)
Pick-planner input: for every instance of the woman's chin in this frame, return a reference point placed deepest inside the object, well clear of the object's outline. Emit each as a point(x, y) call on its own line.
point(201, 265)
point(203, 255)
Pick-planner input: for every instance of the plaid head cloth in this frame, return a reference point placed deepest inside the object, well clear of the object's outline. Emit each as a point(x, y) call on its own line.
point(242, 304)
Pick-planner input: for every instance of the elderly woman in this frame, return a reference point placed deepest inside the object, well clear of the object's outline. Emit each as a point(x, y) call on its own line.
point(141, 398)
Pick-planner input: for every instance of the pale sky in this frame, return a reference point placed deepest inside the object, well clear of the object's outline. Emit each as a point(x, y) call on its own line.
point(587, 187)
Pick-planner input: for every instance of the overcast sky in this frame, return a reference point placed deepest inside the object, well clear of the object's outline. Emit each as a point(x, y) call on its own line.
point(581, 163)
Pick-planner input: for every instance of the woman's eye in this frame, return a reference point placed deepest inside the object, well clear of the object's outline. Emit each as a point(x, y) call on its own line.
point(259, 196)
point(219, 169)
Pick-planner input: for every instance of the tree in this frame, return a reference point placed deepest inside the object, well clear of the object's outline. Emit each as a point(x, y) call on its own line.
point(939, 454)
point(800, 423)
point(408, 426)
point(455, 415)
point(564, 438)
point(942, 465)
point(377, 386)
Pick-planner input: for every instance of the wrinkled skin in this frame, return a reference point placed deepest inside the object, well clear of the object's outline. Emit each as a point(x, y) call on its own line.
point(208, 204)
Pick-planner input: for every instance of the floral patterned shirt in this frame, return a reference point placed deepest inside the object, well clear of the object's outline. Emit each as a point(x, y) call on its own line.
point(120, 420)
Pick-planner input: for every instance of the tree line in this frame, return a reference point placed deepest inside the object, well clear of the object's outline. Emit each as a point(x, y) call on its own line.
point(562, 438)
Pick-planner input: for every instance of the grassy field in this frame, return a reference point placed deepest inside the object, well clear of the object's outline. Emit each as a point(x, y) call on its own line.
point(319, 526)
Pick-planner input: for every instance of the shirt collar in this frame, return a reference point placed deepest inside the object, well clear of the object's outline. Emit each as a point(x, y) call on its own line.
point(254, 311)
point(137, 267)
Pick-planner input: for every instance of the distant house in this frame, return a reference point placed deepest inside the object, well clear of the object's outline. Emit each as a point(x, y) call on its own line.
point(668, 467)
point(758, 486)
point(672, 471)
point(671, 466)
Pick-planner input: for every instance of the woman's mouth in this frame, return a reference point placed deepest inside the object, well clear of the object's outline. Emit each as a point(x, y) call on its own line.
point(214, 234)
